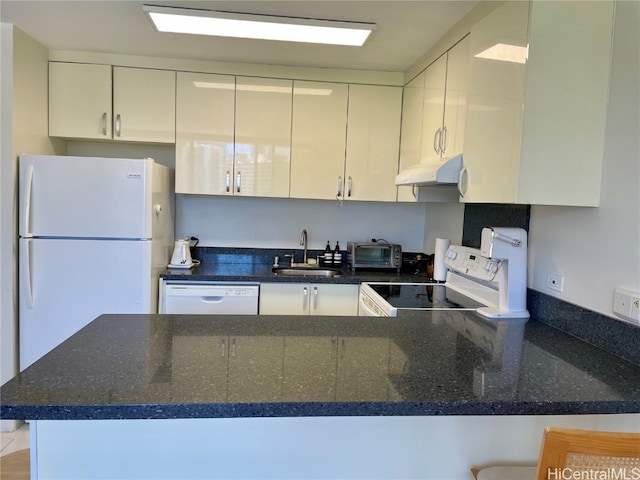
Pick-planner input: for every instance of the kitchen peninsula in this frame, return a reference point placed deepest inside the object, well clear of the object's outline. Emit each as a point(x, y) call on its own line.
point(417, 396)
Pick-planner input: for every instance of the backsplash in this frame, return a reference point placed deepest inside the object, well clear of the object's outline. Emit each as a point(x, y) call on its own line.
point(478, 216)
point(618, 337)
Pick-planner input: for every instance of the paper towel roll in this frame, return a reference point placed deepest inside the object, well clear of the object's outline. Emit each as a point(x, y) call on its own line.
point(439, 270)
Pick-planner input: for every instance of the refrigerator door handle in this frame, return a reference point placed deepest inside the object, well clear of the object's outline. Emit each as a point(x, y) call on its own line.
point(27, 269)
point(28, 198)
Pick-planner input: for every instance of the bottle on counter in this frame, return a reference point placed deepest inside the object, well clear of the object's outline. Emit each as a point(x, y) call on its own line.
point(337, 255)
point(328, 255)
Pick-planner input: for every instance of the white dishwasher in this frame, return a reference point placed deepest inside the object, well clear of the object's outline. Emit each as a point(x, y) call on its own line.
point(209, 298)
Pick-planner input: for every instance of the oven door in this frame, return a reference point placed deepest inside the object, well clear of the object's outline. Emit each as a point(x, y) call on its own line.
point(367, 307)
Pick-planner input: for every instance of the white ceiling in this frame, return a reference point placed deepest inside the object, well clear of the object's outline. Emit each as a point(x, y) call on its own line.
point(406, 30)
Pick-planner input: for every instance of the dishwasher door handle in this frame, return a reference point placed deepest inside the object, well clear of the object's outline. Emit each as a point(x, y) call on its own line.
point(212, 299)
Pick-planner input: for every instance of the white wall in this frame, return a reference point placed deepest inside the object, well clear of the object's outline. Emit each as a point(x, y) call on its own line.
point(277, 223)
point(598, 249)
point(7, 223)
point(23, 97)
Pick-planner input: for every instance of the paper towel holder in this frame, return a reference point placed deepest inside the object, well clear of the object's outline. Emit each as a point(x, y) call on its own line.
point(439, 268)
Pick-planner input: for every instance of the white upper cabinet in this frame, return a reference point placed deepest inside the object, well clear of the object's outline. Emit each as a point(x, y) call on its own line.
point(433, 113)
point(411, 133)
point(445, 103)
point(373, 136)
point(318, 139)
point(262, 137)
point(435, 78)
point(144, 105)
point(233, 135)
point(455, 107)
point(340, 155)
point(535, 124)
point(90, 101)
point(205, 118)
point(80, 100)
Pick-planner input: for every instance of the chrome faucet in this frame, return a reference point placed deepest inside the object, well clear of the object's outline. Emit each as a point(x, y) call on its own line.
point(303, 243)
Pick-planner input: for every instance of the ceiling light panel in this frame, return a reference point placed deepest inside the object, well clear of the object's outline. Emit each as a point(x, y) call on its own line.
point(264, 27)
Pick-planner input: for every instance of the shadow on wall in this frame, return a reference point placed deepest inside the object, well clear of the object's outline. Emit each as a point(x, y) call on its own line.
point(478, 216)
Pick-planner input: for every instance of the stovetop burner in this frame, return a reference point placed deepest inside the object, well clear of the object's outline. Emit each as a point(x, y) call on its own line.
point(423, 296)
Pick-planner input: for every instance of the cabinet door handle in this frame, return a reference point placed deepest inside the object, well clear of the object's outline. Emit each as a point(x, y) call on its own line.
point(463, 178)
point(238, 182)
point(118, 125)
point(437, 140)
point(233, 348)
point(444, 140)
point(315, 298)
point(103, 123)
point(339, 187)
point(350, 187)
point(305, 298)
point(223, 347)
point(227, 182)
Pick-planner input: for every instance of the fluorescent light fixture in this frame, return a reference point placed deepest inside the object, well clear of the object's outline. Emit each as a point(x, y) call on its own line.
point(506, 53)
point(264, 27)
point(265, 88)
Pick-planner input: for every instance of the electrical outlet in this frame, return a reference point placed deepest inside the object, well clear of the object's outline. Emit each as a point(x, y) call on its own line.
point(635, 308)
point(555, 282)
point(627, 304)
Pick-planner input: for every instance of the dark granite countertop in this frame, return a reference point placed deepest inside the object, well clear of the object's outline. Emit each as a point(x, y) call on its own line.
point(420, 363)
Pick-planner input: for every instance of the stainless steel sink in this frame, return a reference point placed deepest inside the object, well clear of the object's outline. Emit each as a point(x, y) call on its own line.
point(307, 271)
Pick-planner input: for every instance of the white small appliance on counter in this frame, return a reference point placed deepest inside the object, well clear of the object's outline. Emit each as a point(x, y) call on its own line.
point(490, 280)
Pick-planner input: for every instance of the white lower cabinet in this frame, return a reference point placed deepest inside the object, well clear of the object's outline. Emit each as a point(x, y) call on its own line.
point(308, 299)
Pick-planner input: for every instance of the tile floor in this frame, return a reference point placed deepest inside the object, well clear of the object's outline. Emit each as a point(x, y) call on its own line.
point(13, 441)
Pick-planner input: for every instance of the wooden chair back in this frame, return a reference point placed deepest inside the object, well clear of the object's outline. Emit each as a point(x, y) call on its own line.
point(565, 451)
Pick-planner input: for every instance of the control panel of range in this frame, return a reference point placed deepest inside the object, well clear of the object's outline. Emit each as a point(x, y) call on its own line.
point(468, 260)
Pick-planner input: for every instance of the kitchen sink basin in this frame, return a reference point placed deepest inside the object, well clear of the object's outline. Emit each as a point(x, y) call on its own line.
point(307, 271)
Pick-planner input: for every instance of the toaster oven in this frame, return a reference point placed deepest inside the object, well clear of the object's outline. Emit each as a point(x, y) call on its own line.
point(374, 256)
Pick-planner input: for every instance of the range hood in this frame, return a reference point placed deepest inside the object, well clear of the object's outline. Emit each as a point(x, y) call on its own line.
point(445, 172)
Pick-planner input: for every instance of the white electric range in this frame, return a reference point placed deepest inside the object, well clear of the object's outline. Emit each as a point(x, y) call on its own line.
point(476, 281)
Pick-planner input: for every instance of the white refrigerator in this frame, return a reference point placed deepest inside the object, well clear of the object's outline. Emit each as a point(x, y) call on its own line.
point(94, 235)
